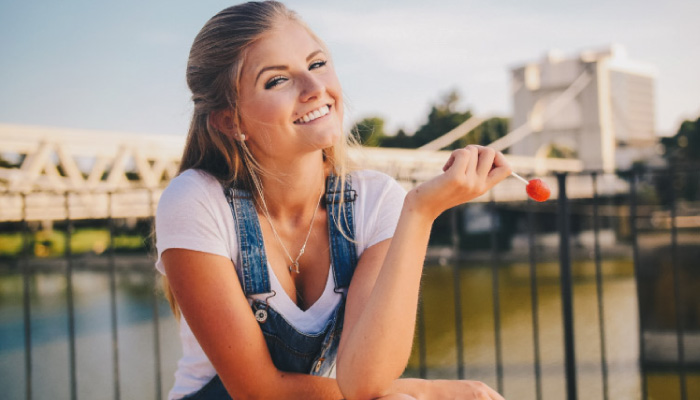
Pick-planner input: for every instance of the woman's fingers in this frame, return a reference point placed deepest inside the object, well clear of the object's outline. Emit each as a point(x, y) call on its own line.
point(479, 162)
point(469, 159)
point(473, 160)
point(468, 173)
point(486, 160)
point(501, 169)
point(449, 162)
point(459, 161)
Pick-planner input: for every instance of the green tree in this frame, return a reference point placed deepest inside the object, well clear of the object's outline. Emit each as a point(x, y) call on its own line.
point(684, 147)
point(401, 140)
point(486, 133)
point(443, 117)
point(683, 154)
point(369, 131)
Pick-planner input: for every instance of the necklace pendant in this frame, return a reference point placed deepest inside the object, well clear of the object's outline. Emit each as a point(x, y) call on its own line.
point(295, 265)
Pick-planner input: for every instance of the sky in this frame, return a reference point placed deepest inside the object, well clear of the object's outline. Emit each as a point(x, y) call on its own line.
point(120, 65)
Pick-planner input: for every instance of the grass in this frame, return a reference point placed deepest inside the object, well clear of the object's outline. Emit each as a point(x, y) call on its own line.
point(53, 243)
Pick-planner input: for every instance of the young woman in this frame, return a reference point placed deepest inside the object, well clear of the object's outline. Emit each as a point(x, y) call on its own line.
point(295, 277)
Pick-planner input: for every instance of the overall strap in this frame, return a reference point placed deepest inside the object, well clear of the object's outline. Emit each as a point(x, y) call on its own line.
point(341, 229)
point(253, 268)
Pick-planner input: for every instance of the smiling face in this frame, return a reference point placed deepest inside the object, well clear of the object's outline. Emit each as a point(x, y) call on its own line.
point(289, 99)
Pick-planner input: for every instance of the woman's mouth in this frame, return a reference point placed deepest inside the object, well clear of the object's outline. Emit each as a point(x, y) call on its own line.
point(312, 115)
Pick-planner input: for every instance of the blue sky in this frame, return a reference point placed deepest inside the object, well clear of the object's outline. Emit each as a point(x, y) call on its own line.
point(119, 65)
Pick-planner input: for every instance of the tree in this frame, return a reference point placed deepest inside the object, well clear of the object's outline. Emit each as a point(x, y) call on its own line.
point(442, 118)
point(683, 154)
point(684, 147)
point(486, 133)
point(401, 140)
point(369, 131)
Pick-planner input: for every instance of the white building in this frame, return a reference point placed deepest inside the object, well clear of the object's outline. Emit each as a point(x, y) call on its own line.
point(597, 106)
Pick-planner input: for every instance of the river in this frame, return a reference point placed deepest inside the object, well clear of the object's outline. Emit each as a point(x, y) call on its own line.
point(137, 369)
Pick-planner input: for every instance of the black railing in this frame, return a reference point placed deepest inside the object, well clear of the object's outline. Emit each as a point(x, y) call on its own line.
point(69, 262)
point(629, 224)
point(631, 213)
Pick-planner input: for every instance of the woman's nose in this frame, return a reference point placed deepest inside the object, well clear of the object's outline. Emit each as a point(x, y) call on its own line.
point(312, 87)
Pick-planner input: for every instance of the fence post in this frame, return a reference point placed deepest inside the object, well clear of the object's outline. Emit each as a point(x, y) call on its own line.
point(26, 300)
point(113, 300)
point(635, 260)
point(156, 315)
point(599, 286)
point(457, 288)
point(566, 289)
point(496, 294)
point(534, 299)
point(68, 254)
point(677, 288)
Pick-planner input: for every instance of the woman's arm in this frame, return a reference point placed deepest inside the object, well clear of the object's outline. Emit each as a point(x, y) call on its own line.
point(383, 296)
point(211, 299)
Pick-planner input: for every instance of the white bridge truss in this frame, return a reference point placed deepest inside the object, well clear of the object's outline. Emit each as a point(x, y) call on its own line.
point(79, 174)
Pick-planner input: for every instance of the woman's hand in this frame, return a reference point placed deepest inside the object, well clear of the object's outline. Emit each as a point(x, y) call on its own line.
point(469, 173)
point(463, 390)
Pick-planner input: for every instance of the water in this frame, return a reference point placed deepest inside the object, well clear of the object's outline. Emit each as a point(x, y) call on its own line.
point(94, 361)
point(517, 338)
point(50, 359)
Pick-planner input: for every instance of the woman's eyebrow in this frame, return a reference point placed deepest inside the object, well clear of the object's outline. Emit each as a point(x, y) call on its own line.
point(270, 68)
point(313, 54)
point(284, 67)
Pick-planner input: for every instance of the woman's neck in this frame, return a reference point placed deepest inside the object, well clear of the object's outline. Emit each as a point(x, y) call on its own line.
point(292, 190)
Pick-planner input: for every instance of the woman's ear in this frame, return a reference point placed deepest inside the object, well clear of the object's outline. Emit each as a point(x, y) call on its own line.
point(223, 121)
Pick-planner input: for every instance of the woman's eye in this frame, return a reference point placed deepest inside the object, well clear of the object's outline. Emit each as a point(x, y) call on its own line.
point(274, 82)
point(317, 64)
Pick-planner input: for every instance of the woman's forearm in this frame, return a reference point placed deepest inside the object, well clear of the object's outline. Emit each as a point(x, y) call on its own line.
point(287, 385)
point(302, 386)
point(378, 346)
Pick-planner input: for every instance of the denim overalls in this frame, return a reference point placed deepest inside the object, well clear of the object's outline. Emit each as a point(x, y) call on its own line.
point(291, 350)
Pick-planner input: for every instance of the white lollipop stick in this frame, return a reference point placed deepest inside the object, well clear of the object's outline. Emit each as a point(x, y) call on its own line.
point(520, 177)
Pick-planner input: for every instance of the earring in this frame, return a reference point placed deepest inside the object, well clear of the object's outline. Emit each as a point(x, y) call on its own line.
point(240, 136)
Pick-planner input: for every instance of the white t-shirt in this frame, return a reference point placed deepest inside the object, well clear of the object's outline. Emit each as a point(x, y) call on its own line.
point(193, 214)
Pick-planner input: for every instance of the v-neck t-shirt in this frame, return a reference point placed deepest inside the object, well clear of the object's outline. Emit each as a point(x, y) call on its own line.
point(193, 214)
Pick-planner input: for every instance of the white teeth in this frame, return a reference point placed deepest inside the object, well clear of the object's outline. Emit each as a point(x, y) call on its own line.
point(312, 115)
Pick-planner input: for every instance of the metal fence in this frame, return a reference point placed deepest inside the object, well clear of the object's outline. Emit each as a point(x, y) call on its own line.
point(663, 202)
point(27, 265)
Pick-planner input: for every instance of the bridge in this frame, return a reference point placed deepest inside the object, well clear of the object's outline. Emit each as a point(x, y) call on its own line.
point(53, 174)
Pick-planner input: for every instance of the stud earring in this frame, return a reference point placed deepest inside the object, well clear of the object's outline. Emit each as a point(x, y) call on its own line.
point(241, 137)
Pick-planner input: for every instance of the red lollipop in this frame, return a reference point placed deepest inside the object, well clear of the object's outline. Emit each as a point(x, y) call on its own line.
point(536, 188)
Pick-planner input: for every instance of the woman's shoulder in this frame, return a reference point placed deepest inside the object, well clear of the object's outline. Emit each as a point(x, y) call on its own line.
point(372, 180)
point(190, 187)
point(192, 178)
point(374, 187)
point(192, 182)
point(370, 176)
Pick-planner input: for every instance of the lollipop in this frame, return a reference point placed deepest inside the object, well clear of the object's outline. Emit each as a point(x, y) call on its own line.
point(536, 188)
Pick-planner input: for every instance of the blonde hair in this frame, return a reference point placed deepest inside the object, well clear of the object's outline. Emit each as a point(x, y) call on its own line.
point(213, 76)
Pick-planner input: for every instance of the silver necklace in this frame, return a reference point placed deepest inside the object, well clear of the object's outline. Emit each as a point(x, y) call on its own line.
point(294, 261)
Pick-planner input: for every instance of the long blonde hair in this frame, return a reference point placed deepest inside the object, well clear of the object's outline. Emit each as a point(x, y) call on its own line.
point(213, 76)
